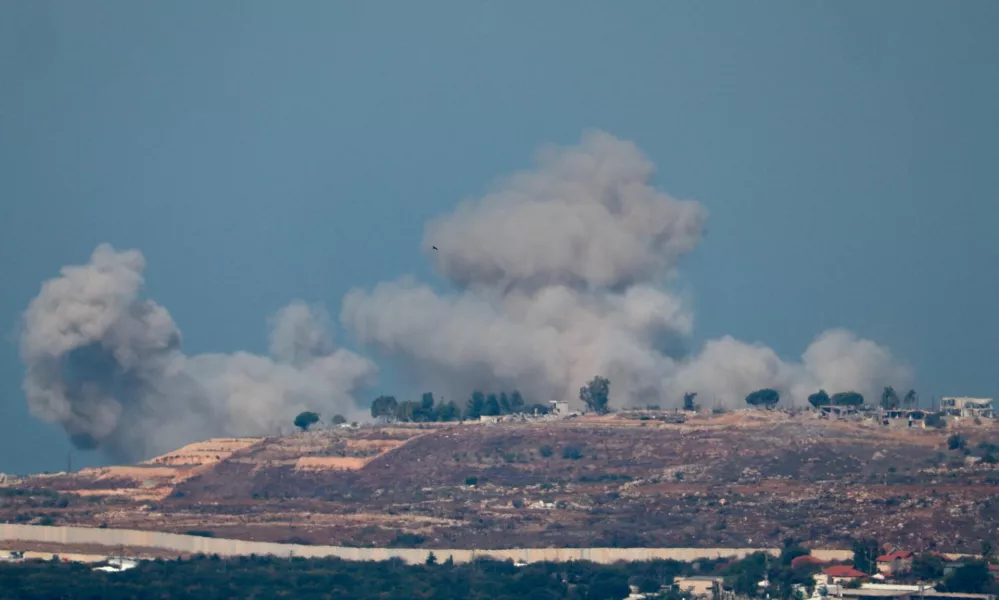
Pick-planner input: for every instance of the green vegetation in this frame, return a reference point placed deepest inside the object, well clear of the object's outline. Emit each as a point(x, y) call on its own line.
point(848, 399)
point(819, 398)
point(596, 394)
point(306, 579)
point(428, 411)
point(440, 578)
point(890, 399)
point(305, 420)
point(766, 397)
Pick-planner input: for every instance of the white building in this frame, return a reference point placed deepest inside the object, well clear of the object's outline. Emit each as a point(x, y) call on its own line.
point(559, 408)
point(966, 408)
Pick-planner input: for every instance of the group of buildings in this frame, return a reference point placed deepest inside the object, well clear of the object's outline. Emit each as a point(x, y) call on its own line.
point(890, 581)
point(951, 407)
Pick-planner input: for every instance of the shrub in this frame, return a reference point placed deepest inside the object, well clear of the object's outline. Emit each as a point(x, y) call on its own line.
point(546, 451)
point(471, 481)
point(935, 421)
point(572, 452)
point(955, 442)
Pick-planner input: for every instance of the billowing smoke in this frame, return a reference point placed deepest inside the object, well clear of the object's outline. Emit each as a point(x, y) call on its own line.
point(561, 273)
point(107, 365)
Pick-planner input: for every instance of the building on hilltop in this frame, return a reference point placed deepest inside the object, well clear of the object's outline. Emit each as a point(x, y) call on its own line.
point(559, 408)
point(966, 408)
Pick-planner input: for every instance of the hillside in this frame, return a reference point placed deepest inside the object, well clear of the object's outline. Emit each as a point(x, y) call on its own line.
point(735, 480)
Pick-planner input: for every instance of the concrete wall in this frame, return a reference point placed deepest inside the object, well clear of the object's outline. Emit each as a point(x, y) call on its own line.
point(226, 547)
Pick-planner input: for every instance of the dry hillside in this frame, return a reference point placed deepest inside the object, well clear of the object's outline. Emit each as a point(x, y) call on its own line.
point(742, 479)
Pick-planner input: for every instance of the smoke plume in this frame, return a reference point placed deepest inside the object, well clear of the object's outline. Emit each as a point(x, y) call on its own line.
point(108, 366)
point(561, 273)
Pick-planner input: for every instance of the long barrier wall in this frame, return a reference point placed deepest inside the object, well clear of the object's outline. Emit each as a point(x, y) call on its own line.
point(227, 547)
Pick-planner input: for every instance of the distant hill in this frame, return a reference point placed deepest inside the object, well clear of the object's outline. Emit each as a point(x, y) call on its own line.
point(748, 478)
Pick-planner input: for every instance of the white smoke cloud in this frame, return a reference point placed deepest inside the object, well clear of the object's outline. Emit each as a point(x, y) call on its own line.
point(561, 274)
point(107, 365)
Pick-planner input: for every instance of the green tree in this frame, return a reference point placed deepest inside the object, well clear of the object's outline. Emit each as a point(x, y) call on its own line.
point(431, 559)
point(956, 442)
point(383, 407)
point(448, 411)
point(847, 399)
point(407, 411)
point(338, 420)
point(504, 403)
point(476, 405)
point(889, 399)
point(688, 401)
point(766, 397)
point(987, 550)
point(819, 398)
point(865, 555)
point(306, 419)
point(492, 407)
point(596, 394)
point(970, 578)
point(911, 400)
point(927, 567)
point(425, 412)
point(516, 401)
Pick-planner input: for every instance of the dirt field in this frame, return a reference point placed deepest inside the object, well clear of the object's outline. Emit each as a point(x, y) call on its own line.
point(735, 480)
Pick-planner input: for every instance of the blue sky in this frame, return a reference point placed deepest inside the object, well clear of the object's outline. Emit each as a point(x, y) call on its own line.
point(258, 152)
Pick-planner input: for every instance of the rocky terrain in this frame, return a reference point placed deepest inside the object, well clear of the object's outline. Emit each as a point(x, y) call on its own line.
point(748, 478)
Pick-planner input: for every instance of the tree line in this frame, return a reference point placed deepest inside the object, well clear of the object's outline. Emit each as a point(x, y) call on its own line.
point(595, 395)
point(428, 410)
point(321, 578)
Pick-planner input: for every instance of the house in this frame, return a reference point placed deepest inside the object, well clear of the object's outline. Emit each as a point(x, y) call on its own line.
point(895, 563)
point(559, 408)
point(966, 408)
point(901, 417)
point(699, 586)
point(839, 574)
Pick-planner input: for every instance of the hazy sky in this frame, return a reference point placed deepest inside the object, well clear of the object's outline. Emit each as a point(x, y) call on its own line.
point(259, 152)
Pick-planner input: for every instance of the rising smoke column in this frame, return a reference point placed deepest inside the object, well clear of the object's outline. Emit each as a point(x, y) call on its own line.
point(561, 273)
point(108, 366)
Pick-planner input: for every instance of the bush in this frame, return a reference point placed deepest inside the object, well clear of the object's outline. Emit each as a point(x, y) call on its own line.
point(471, 481)
point(546, 451)
point(935, 421)
point(956, 442)
point(572, 453)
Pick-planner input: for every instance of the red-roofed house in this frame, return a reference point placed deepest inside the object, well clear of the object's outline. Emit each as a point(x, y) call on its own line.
point(841, 574)
point(806, 560)
point(895, 563)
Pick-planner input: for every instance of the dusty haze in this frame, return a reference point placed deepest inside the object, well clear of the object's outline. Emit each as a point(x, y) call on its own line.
point(558, 274)
point(107, 365)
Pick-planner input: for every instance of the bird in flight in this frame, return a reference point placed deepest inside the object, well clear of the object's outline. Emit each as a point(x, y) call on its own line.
point(435, 248)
